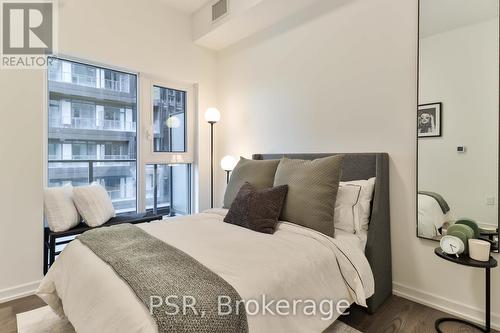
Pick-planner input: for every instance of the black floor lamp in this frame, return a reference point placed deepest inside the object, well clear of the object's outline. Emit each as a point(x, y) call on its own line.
point(212, 116)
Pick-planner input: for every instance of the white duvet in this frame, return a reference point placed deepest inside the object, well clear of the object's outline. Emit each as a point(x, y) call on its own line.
point(430, 216)
point(295, 263)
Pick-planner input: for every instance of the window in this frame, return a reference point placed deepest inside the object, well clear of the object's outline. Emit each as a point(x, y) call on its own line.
point(92, 130)
point(168, 189)
point(169, 116)
point(168, 148)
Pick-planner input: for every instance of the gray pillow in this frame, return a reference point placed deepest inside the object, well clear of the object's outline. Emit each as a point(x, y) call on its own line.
point(260, 174)
point(312, 191)
point(257, 210)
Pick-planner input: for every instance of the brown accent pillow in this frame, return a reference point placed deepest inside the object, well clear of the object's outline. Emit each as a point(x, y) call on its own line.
point(257, 210)
point(258, 173)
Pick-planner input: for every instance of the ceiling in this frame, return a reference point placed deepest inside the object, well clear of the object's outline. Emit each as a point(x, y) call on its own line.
point(437, 16)
point(186, 6)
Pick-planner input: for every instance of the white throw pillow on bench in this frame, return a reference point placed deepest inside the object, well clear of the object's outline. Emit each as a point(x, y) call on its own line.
point(59, 209)
point(94, 204)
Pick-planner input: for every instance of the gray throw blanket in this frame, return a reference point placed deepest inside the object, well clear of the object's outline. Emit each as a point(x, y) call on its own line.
point(439, 198)
point(155, 270)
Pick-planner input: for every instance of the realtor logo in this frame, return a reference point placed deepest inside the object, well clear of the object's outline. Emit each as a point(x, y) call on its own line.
point(27, 33)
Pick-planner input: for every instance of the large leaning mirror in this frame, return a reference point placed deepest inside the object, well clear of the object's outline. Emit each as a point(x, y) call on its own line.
point(458, 115)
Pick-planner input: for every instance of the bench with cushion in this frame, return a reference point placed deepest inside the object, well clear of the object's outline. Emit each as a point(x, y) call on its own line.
point(53, 239)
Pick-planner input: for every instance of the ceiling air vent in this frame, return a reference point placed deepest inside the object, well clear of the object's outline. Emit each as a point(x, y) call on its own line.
point(219, 9)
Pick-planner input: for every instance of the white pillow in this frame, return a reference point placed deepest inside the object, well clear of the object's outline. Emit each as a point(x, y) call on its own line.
point(94, 204)
point(343, 217)
point(59, 209)
point(362, 208)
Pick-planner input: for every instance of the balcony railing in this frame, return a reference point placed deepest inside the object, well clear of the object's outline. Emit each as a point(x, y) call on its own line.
point(91, 123)
point(82, 80)
point(121, 86)
point(86, 171)
point(91, 81)
point(82, 172)
point(91, 164)
point(79, 158)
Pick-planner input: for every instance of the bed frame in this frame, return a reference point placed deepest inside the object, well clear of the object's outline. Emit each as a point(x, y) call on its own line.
point(378, 246)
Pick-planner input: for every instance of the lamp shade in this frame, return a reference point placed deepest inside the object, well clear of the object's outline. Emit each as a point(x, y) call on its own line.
point(212, 115)
point(228, 163)
point(173, 122)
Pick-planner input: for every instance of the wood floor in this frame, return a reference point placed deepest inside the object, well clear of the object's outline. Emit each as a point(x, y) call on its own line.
point(396, 315)
point(401, 315)
point(9, 310)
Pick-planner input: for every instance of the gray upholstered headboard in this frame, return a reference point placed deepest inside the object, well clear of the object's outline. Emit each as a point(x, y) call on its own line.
point(378, 246)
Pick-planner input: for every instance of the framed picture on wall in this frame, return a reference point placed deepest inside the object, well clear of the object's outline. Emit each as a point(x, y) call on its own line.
point(429, 120)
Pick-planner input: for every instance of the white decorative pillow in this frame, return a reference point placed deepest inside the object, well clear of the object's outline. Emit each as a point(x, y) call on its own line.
point(362, 207)
point(94, 204)
point(59, 209)
point(347, 198)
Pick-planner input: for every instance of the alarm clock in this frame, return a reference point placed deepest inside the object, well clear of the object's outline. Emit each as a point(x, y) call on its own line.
point(452, 245)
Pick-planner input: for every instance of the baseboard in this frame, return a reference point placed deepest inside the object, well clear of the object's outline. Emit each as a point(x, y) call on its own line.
point(20, 291)
point(446, 305)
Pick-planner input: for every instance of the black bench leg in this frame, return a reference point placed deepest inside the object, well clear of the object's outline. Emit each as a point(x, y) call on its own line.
point(45, 252)
point(52, 251)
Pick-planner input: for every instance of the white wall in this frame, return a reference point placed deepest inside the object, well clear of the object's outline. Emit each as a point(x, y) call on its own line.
point(151, 39)
point(341, 77)
point(460, 69)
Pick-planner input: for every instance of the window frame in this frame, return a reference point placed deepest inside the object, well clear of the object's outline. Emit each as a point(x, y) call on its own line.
point(148, 155)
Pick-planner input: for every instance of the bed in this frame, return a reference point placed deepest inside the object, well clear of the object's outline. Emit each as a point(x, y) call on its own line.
point(434, 215)
point(294, 263)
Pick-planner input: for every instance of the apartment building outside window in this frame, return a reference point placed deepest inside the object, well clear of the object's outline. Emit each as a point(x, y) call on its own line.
point(169, 153)
point(168, 188)
point(169, 112)
point(92, 134)
point(92, 137)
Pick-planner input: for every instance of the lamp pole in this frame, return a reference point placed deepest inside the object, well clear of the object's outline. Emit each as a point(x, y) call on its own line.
point(212, 115)
point(212, 163)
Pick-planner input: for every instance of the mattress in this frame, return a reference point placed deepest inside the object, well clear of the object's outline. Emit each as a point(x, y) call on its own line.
point(295, 263)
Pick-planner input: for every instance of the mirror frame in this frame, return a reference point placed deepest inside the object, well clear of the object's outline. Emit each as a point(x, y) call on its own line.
point(495, 246)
